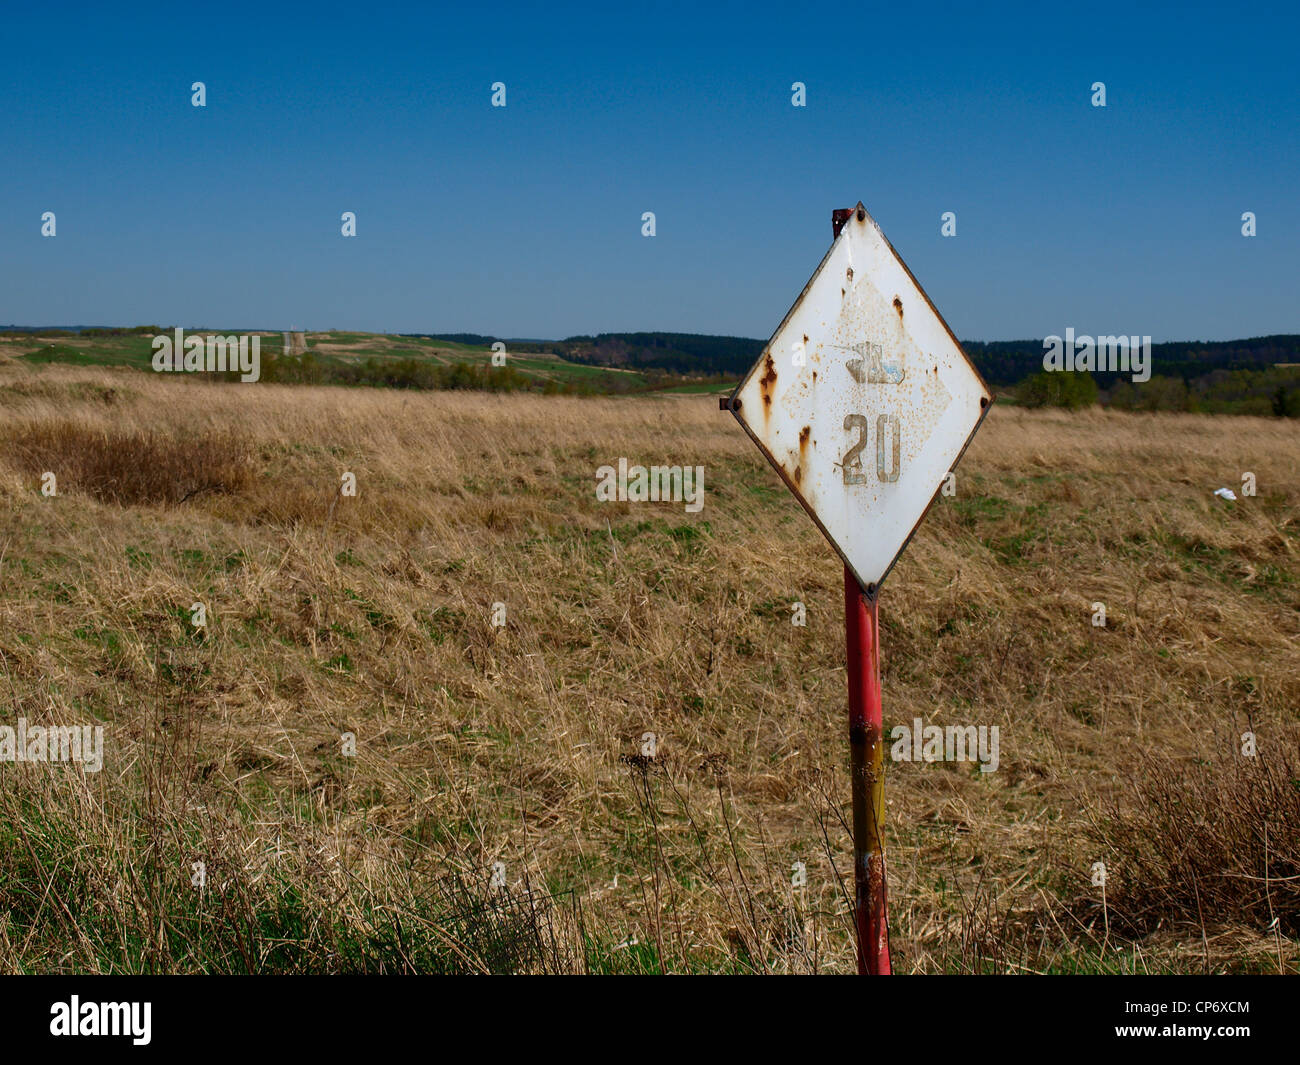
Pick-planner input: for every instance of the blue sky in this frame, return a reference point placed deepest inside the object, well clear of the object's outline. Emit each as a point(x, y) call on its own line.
point(525, 221)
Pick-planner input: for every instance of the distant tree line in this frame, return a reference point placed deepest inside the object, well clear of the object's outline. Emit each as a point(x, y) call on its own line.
point(423, 374)
point(1008, 362)
point(1231, 377)
point(85, 331)
point(1002, 362)
point(1273, 392)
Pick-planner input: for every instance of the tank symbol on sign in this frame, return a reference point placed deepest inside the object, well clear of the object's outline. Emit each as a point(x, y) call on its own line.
point(871, 367)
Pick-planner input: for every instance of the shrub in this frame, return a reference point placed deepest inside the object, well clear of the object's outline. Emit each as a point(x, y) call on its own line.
point(1069, 390)
point(128, 467)
point(1204, 844)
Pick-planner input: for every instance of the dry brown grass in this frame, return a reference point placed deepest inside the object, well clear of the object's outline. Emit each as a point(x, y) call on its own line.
point(371, 615)
point(129, 466)
point(1221, 838)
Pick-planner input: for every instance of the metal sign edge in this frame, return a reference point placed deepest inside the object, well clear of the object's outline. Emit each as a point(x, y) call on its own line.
point(869, 589)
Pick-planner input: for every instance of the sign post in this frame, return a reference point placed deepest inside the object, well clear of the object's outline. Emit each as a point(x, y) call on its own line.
point(867, 775)
point(863, 364)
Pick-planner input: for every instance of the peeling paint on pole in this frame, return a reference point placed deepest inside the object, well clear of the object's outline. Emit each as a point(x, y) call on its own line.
point(863, 368)
point(863, 400)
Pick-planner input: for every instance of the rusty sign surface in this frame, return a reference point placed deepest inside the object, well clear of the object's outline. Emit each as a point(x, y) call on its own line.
point(863, 400)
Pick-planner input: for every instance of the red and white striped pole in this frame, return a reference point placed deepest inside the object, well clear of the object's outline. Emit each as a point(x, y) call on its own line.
point(867, 762)
point(867, 767)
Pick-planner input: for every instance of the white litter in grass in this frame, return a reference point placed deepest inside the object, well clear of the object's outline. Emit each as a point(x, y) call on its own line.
point(1226, 493)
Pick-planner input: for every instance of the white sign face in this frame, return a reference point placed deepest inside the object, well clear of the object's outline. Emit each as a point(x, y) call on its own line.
point(863, 400)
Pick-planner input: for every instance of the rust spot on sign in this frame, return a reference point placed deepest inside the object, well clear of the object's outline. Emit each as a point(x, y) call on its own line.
point(898, 306)
point(798, 475)
point(849, 273)
point(768, 380)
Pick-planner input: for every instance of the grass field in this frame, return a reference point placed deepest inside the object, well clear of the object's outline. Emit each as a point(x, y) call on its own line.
point(498, 812)
point(136, 352)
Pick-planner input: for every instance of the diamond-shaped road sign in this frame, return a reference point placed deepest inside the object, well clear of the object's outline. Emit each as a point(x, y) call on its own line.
point(863, 400)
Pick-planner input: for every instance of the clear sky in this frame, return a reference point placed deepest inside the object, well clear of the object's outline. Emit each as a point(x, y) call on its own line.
point(525, 221)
